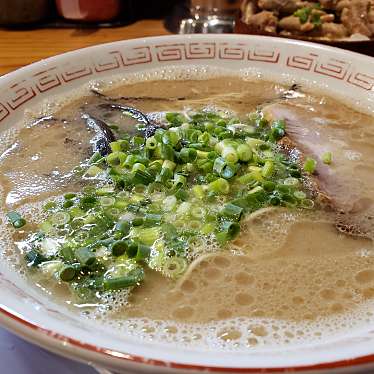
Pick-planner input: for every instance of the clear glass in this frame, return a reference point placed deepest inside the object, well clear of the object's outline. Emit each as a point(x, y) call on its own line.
point(206, 8)
point(210, 16)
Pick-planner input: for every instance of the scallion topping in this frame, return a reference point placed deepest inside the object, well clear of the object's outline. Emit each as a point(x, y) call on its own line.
point(16, 219)
point(159, 193)
point(310, 165)
point(327, 158)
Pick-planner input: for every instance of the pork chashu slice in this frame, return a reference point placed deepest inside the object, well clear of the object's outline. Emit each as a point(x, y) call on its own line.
point(343, 186)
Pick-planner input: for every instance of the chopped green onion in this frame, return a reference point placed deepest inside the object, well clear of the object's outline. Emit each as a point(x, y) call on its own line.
point(278, 128)
point(119, 146)
point(60, 218)
point(249, 178)
point(198, 212)
point(303, 14)
point(105, 190)
point(291, 181)
point(223, 169)
point(76, 212)
point(184, 208)
point(95, 158)
point(116, 158)
point(69, 196)
point(155, 198)
point(34, 258)
point(129, 161)
point(327, 158)
point(221, 122)
point(307, 203)
point(133, 278)
point(179, 180)
point(132, 249)
point(175, 119)
point(67, 273)
point(208, 228)
point(167, 152)
point(152, 219)
point(268, 186)
point(227, 231)
point(300, 195)
point(170, 137)
point(167, 164)
point(275, 200)
point(255, 190)
point(202, 154)
point(173, 267)
point(138, 166)
point(254, 142)
point(232, 212)
point(86, 202)
point(165, 175)
point(268, 169)
point(310, 165)
point(170, 203)
point(143, 252)
point(147, 235)
point(137, 141)
point(219, 186)
point(106, 201)
point(68, 204)
point(93, 171)
point(151, 143)
point(50, 205)
point(67, 254)
point(230, 155)
point(85, 256)
point(244, 152)
point(204, 138)
point(205, 165)
point(118, 248)
point(198, 191)
point(123, 227)
point(16, 220)
point(142, 177)
point(188, 154)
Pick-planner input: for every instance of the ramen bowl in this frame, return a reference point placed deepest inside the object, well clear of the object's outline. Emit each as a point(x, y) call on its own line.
point(36, 317)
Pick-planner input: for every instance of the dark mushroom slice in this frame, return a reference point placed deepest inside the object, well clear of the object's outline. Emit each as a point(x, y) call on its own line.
point(103, 134)
point(150, 126)
point(135, 98)
point(293, 92)
point(43, 119)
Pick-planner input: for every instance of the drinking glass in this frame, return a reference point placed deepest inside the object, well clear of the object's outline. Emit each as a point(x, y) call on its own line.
point(210, 16)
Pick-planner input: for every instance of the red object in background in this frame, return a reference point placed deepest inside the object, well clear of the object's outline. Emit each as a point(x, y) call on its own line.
point(89, 10)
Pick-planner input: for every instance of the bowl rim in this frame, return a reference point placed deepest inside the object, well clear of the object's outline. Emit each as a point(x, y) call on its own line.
point(48, 337)
point(83, 351)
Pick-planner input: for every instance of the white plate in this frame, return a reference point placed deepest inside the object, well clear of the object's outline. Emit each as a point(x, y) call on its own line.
point(37, 318)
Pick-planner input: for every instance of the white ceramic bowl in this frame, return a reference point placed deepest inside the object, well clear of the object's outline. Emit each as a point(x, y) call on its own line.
point(37, 318)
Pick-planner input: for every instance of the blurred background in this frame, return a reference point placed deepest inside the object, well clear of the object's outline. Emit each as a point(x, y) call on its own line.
point(31, 30)
point(342, 23)
point(107, 13)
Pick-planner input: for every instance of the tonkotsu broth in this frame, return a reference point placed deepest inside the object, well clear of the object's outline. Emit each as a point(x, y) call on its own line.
point(288, 271)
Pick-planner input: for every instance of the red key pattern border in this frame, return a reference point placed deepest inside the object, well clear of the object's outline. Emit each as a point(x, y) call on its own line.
point(45, 80)
point(22, 92)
